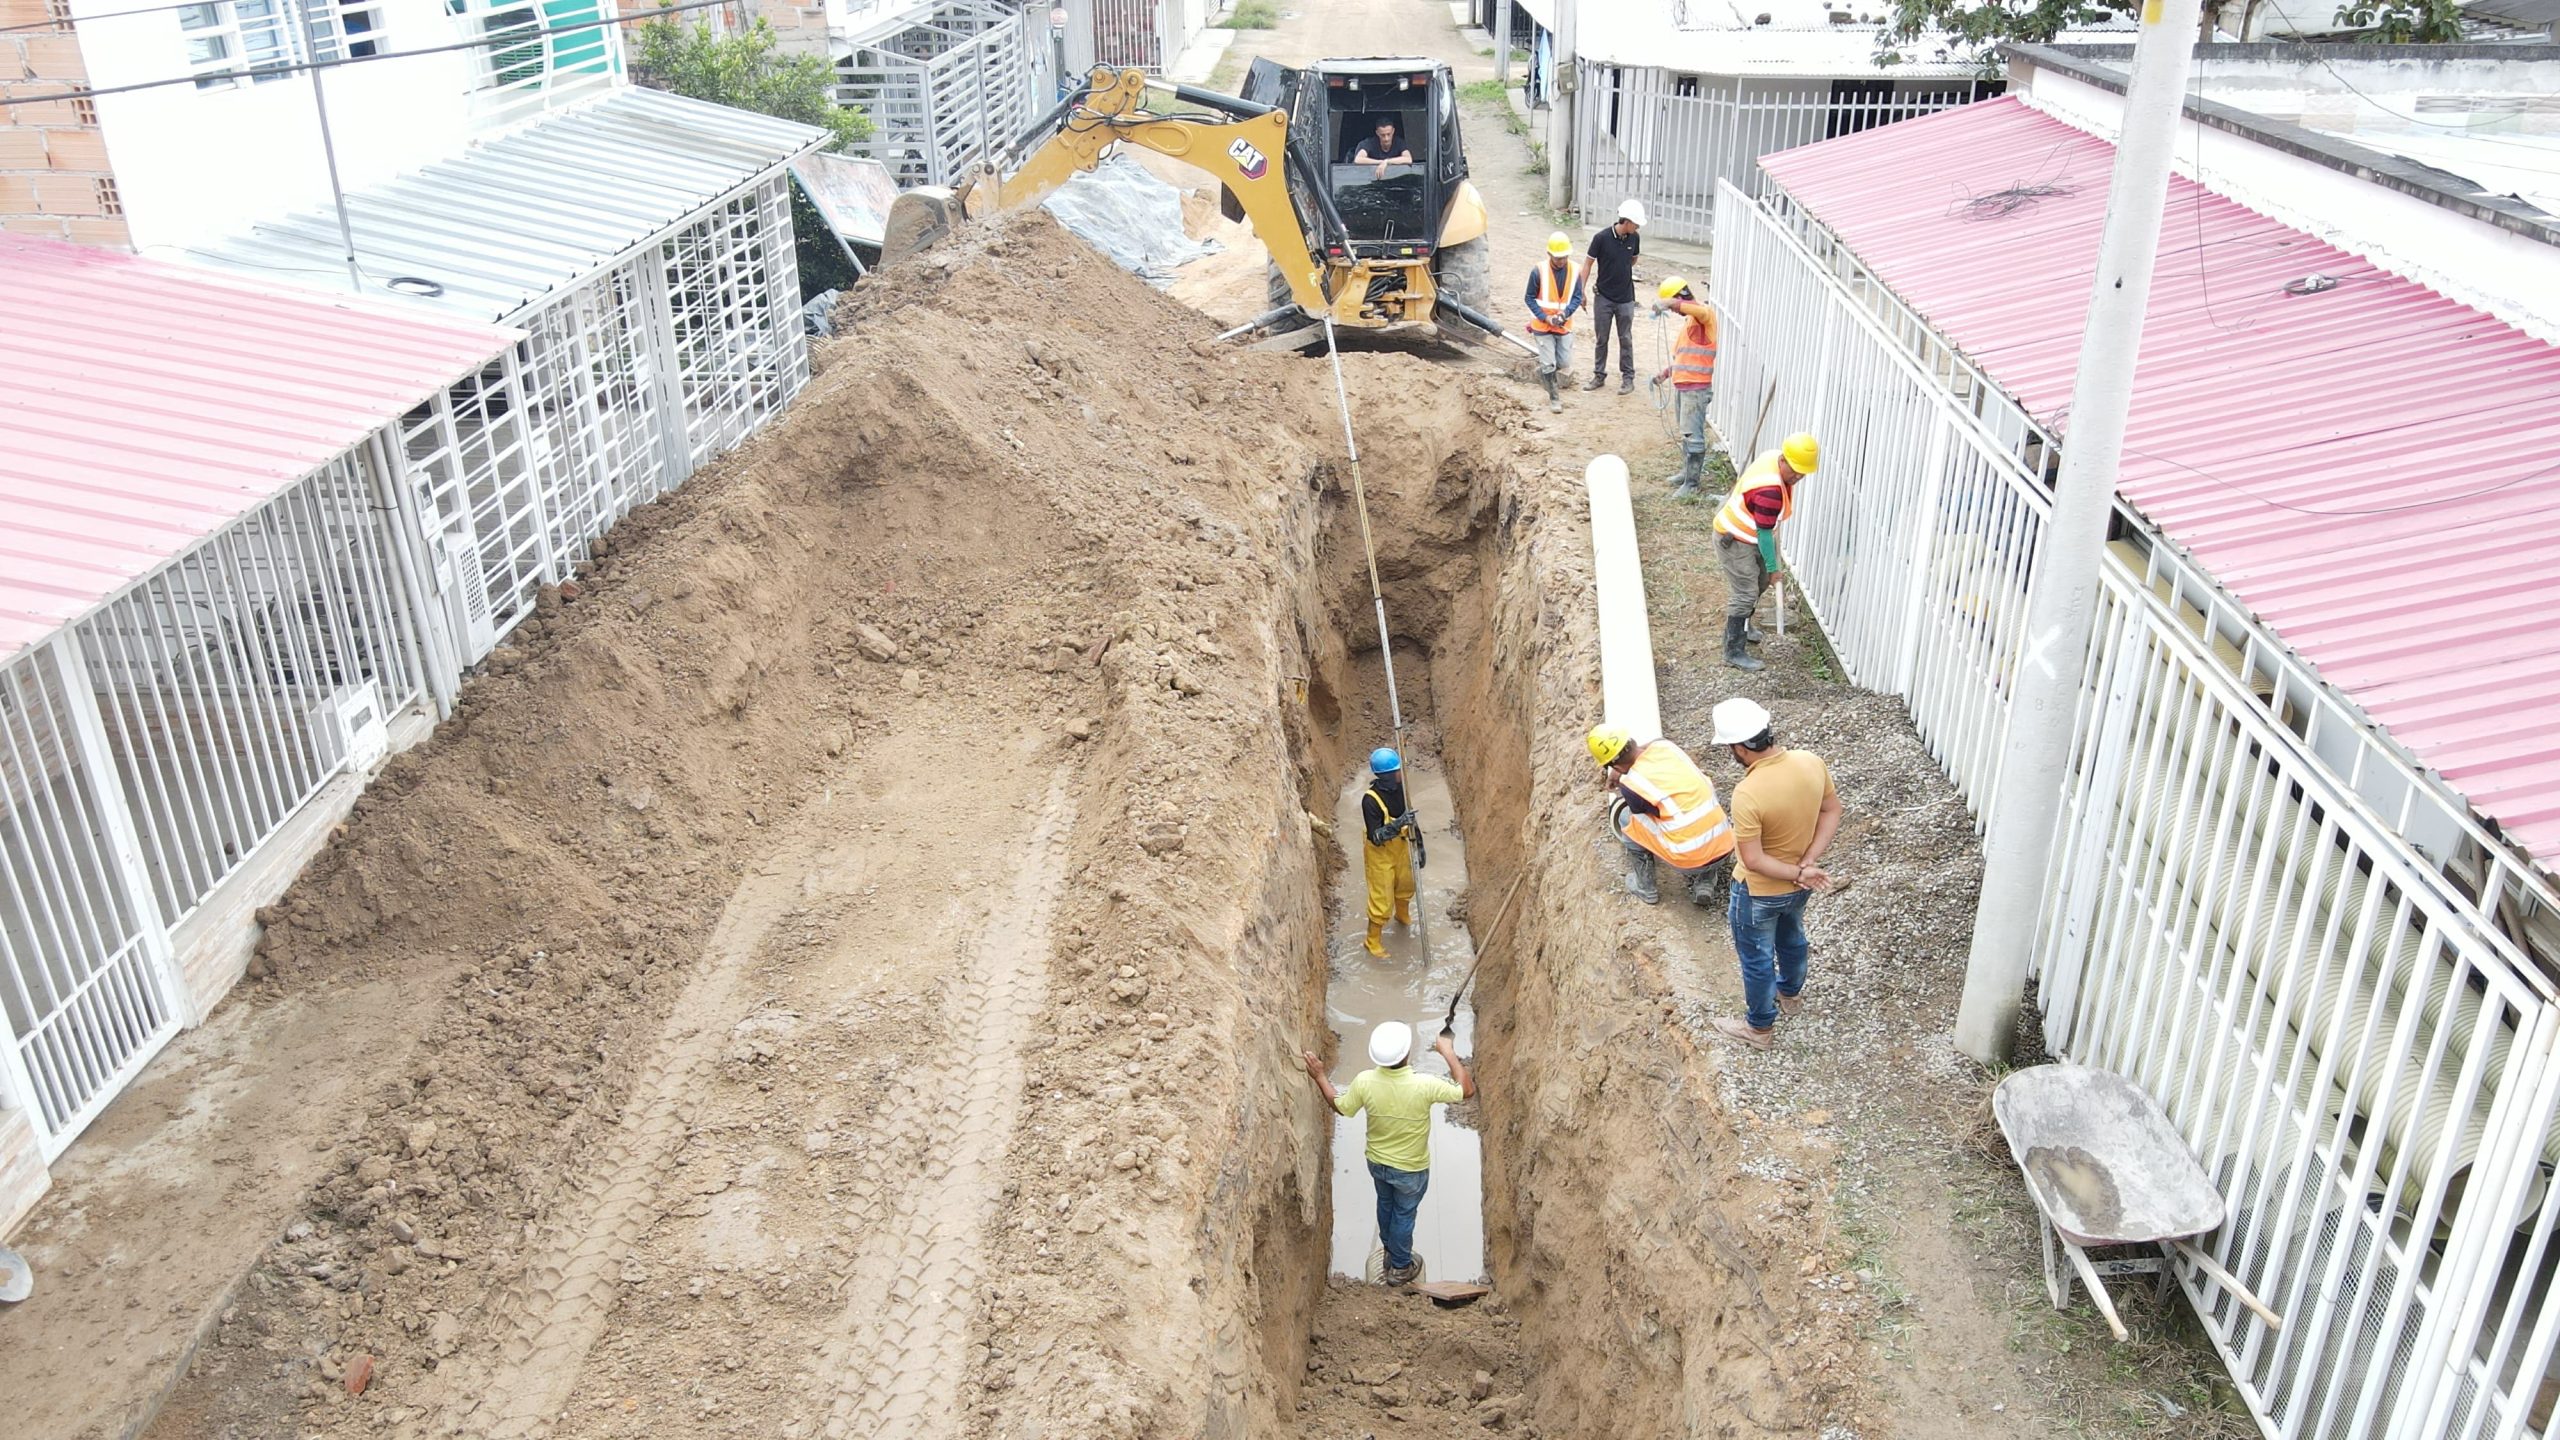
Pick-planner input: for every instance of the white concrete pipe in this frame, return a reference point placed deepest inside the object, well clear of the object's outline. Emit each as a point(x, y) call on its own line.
point(1627, 697)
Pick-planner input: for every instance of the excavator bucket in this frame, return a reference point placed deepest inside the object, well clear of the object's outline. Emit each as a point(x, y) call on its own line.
point(919, 219)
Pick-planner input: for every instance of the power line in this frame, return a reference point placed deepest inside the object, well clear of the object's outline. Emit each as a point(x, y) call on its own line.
point(512, 37)
point(65, 22)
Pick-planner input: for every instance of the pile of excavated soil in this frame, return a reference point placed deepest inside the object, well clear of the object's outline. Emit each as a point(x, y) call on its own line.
point(882, 922)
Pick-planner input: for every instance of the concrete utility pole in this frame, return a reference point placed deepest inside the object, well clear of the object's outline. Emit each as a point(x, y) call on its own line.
point(2019, 841)
point(1502, 43)
point(1560, 100)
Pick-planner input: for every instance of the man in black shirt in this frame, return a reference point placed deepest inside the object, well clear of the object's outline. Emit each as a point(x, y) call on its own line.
point(1383, 148)
point(1613, 295)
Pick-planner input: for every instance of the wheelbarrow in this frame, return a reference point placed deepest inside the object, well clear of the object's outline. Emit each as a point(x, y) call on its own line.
point(2108, 1170)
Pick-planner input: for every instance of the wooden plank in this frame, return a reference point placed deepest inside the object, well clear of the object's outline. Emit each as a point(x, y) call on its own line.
point(1451, 1292)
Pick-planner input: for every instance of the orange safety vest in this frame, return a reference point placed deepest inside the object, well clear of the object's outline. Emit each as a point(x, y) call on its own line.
point(1735, 518)
point(1693, 360)
point(1692, 830)
point(1554, 295)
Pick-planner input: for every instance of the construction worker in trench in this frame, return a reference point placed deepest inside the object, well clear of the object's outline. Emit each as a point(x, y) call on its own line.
point(1398, 1100)
point(1388, 835)
point(1747, 537)
point(1664, 811)
point(1692, 373)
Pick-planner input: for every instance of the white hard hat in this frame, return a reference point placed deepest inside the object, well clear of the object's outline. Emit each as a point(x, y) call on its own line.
point(1631, 209)
point(1738, 720)
point(1390, 1043)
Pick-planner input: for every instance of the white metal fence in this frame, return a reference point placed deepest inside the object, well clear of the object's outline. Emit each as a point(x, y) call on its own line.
point(84, 974)
point(156, 749)
point(945, 89)
point(2336, 982)
point(1669, 139)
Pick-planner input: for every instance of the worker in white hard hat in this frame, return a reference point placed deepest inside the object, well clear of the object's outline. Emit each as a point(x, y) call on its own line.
point(1398, 1100)
point(1609, 272)
point(1555, 294)
point(1747, 537)
point(1692, 375)
point(1664, 811)
point(1785, 812)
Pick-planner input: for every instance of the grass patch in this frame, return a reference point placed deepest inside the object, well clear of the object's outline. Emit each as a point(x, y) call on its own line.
point(1486, 92)
point(1252, 15)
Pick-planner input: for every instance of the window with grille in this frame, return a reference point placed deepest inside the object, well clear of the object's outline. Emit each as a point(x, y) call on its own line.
point(268, 38)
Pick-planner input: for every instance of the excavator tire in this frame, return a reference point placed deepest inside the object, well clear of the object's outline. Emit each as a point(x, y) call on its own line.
point(1465, 274)
point(1275, 290)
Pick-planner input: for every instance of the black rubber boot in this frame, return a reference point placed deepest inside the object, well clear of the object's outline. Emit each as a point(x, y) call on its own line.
point(1640, 879)
point(1734, 654)
point(1693, 468)
point(1554, 401)
point(1751, 634)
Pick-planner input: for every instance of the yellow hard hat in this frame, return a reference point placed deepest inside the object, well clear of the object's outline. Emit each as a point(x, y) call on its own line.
point(1606, 741)
point(1802, 452)
point(1671, 287)
point(1557, 244)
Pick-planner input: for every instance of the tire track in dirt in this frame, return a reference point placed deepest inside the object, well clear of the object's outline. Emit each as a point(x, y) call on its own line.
point(894, 1364)
point(552, 1317)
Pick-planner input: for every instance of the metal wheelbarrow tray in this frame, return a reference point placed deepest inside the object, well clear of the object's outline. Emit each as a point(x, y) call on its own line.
point(2106, 1168)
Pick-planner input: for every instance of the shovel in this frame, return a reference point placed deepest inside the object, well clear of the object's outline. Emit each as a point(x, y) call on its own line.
point(1449, 1023)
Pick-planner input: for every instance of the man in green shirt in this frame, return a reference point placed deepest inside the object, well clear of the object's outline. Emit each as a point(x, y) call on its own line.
point(1399, 1103)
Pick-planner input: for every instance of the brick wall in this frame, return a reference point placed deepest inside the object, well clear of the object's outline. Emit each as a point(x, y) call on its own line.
point(54, 175)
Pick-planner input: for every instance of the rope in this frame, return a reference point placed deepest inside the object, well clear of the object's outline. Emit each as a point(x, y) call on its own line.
point(1378, 601)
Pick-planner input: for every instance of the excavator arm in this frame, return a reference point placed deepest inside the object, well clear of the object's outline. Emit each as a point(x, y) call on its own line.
point(1244, 146)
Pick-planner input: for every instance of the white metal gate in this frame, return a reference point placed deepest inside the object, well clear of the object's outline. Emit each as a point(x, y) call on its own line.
point(84, 990)
point(2333, 979)
point(1669, 139)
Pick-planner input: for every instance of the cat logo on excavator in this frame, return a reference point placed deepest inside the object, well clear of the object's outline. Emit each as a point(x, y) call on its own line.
point(1249, 160)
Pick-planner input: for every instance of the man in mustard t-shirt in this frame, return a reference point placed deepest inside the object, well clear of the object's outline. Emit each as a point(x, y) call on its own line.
point(1399, 1103)
point(1785, 811)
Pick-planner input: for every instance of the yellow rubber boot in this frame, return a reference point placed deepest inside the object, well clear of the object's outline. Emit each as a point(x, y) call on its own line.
point(1376, 948)
point(1404, 911)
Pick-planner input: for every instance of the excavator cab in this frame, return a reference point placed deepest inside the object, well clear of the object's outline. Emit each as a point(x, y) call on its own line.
point(1381, 136)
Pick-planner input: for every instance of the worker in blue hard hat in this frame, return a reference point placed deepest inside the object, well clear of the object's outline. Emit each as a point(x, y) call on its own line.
point(1387, 832)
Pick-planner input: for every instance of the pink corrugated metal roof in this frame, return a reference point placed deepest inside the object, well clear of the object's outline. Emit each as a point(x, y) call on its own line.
point(144, 406)
point(2373, 469)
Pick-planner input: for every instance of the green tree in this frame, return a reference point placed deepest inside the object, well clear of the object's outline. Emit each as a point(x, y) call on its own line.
point(747, 71)
point(2406, 22)
point(1975, 24)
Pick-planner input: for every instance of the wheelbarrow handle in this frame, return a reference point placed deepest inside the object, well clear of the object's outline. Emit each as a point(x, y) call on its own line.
point(2228, 1281)
point(2097, 1289)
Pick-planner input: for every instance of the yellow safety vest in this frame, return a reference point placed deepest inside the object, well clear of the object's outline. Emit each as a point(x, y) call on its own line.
point(1734, 518)
point(1692, 830)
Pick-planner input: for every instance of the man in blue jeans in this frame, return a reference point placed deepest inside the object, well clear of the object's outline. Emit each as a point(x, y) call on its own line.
point(1399, 1103)
point(1784, 813)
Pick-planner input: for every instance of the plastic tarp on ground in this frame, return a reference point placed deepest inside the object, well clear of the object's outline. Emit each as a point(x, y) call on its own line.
point(1129, 214)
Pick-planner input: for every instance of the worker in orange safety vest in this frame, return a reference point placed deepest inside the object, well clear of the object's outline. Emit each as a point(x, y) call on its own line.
point(1747, 537)
point(1665, 811)
point(1692, 373)
point(1555, 293)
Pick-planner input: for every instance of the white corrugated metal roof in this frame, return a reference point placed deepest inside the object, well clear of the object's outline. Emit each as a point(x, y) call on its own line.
point(517, 217)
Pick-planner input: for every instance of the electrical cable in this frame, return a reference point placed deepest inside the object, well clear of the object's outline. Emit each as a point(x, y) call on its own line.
point(1378, 600)
point(510, 38)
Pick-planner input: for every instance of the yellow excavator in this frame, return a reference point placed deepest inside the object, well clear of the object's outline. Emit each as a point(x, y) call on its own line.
point(1352, 172)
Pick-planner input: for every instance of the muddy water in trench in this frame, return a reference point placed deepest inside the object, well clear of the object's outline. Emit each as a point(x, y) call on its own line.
point(1412, 984)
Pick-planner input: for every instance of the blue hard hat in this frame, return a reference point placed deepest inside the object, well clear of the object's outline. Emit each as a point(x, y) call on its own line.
point(1383, 761)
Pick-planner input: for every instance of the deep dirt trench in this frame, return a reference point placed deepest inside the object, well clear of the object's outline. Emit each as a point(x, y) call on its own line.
point(884, 911)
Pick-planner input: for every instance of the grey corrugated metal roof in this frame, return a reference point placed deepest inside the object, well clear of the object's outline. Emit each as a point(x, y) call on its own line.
point(515, 218)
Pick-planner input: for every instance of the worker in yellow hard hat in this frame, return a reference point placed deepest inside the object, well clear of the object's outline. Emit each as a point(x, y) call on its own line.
point(1665, 811)
point(1555, 292)
point(1747, 537)
point(1692, 373)
point(1388, 831)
